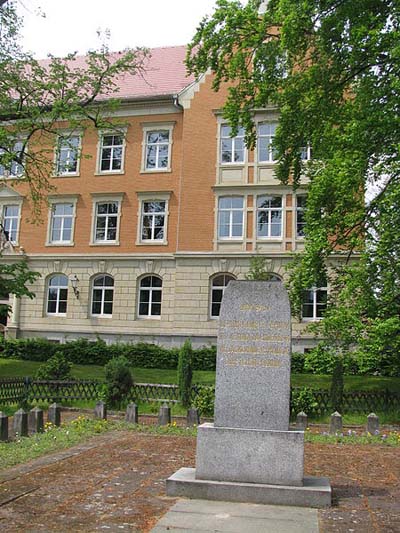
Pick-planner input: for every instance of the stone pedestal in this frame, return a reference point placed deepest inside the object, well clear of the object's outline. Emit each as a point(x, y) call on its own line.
point(249, 454)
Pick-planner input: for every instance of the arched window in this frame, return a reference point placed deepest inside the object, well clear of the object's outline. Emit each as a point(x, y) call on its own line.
point(57, 295)
point(150, 294)
point(102, 295)
point(218, 285)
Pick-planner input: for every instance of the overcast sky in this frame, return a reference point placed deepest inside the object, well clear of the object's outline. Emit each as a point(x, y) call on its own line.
point(72, 25)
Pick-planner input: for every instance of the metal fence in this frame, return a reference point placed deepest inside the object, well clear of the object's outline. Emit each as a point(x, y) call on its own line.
point(17, 390)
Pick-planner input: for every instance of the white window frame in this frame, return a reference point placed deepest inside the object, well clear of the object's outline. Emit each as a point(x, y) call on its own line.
point(66, 136)
point(154, 127)
point(17, 218)
point(58, 288)
point(107, 133)
point(266, 137)
point(299, 209)
point(314, 292)
point(306, 153)
point(269, 211)
point(151, 289)
point(102, 289)
point(160, 196)
point(218, 288)
point(54, 200)
point(231, 210)
point(233, 142)
point(105, 199)
point(8, 173)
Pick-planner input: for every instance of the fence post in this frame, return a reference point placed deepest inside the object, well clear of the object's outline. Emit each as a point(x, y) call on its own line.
point(36, 420)
point(336, 423)
point(27, 385)
point(132, 415)
point(100, 410)
point(54, 414)
point(193, 417)
point(21, 423)
point(372, 424)
point(164, 415)
point(3, 426)
point(301, 421)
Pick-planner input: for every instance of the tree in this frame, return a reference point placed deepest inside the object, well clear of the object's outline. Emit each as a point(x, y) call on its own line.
point(185, 373)
point(332, 70)
point(35, 97)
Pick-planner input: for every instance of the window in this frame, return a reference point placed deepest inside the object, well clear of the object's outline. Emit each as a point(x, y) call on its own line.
point(68, 155)
point(218, 286)
point(153, 220)
point(230, 217)
point(57, 295)
point(10, 221)
point(102, 296)
point(266, 134)
point(157, 150)
point(111, 153)
point(106, 221)
point(62, 217)
point(306, 153)
point(314, 303)
point(300, 220)
point(232, 148)
point(13, 169)
point(150, 293)
point(269, 216)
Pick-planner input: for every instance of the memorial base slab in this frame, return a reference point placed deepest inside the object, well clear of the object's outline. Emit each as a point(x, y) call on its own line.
point(315, 492)
point(250, 455)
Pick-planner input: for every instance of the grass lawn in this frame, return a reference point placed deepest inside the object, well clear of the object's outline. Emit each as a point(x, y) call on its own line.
point(13, 368)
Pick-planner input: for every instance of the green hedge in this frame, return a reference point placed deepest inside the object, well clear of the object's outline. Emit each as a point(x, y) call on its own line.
point(83, 352)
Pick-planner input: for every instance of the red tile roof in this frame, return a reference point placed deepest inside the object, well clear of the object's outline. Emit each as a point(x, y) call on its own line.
point(165, 74)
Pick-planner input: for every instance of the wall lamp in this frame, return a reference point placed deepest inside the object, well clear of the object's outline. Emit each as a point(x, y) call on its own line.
point(74, 282)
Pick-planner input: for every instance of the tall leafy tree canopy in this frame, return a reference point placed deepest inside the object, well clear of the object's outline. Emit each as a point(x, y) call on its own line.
point(332, 67)
point(35, 96)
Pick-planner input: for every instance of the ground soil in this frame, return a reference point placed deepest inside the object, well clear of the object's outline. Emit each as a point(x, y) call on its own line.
point(116, 482)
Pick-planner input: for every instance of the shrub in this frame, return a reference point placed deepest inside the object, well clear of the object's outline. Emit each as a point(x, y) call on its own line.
point(379, 351)
point(185, 373)
point(322, 360)
point(83, 351)
point(57, 367)
point(297, 363)
point(337, 385)
point(204, 400)
point(118, 381)
point(303, 399)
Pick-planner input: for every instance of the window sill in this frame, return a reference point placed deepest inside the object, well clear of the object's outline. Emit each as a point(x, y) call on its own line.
point(317, 319)
point(110, 172)
point(156, 171)
point(236, 239)
point(108, 317)
point(149, 317)
point(72, 175)
point(56, 315)
point(233, 165)
point(105, 243)
point(59, 244)
point(151, 243)
point(269, 239)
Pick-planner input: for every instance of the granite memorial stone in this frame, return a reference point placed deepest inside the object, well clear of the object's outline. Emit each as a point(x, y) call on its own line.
point(249, 454)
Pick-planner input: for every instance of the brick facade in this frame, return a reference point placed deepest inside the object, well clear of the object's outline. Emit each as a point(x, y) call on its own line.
point(188, 256)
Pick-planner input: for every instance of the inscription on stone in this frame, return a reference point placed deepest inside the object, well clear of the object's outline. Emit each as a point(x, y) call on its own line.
point(253, 357)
